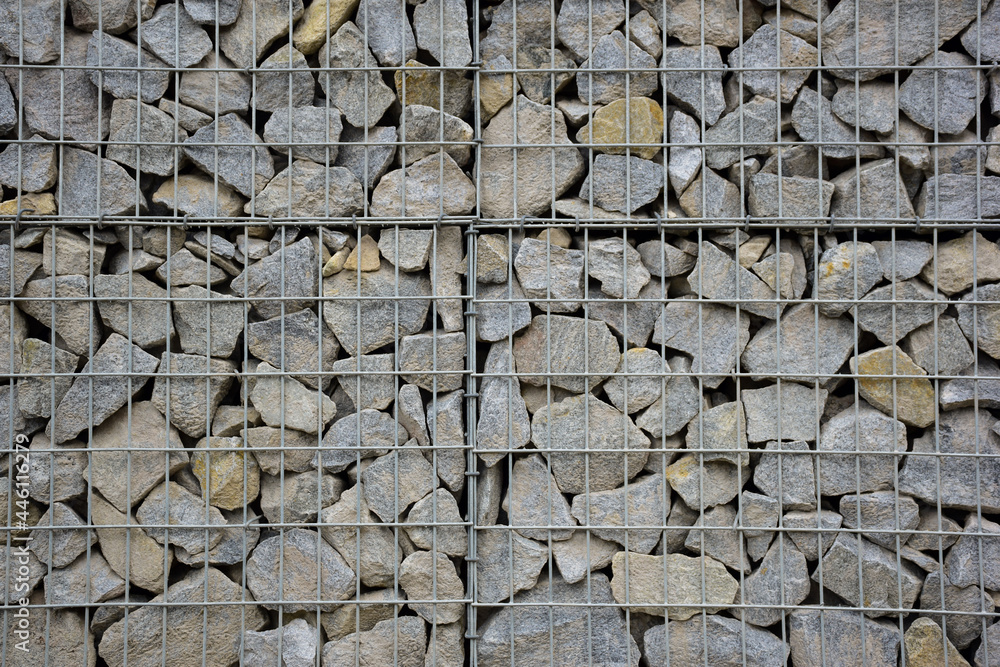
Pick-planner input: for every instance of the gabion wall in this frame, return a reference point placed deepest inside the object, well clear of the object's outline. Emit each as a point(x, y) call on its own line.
point(455, 332)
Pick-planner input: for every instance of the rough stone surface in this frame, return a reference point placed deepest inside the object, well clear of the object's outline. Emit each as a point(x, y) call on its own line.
point(761, 51)
point(893, 323)
point(503, 417)
point(982, 323)
point(370, 550)
point(644, 502)
point(819, 636)
point(438, 507)
point(398, 640)
point(561, 426)
point(507, 560)
point(293, 576)
point(716, 276)
point(38, 394)
point(431, 186)
point(290, 273)
point(615, 176)
point(911, 401)
point(442, 22)
point(60, 546)
point(582, 554)
point(551, 275)
point(840, 572)
point(685, 160)
point(215, 85)
point(281, 90)
point(814, 120)
point(684, 582)
point(297, 641)
point(241, 162)
point(315, 191)
point(38, 163)
point(875, 190)
point(144, 565)
point(427, 575)
point(631, 391)
point(813, 544)
point(724, 544)
point(185, 397)
point(361, 95)
point(607, 133)
point(406, 470)
point(610, 54)
point(718, 639)
point(847, 271)
point(377, 433)
point(795, 484)
point(105, 53)
point(258, 25)
point(81, 194)
point(940, 594)
point(173, 36)
point(754, 121)
point(549, 347)
point(710, 333)
point(957, 87)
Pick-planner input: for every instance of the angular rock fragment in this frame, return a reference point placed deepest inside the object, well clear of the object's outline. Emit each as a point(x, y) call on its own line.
point(367, 547)
point(634, 124)
point(609, 55)
point(712, 334)
point(716, 276)
point(291, 85)
point(818, 636)
point(283, 401)
point(686, 582)
point(911, 401)
point(617, 183)
point(368, 380)
point(359, 93)
point(306, 189)
point(314, 131)
point(686, 87)
point(814, 121)
point(297, 641)
point(788, 412)
point(940, 595)
point(925, 644)
point(425, 125)
point(38, 393)
point(872, 106)
point(582, 554)
point(880, 511)
point(631, 391)
point(432, 186)
point(724, 543)
point(198, 196)
point(442, 24)
point(397, 480)
point(433, 361)
point(215, 86)
point(426, 85)
point(720, 198)
point(229, 479)
point(258, 25)
point(721, 640)
point(297, 565)
point(430, 575)
point(761, 51)
point(143, 562)
point(802, 200)
point(847, 271)
point(37, 161)
point(721, 481)
point(146, 320)
point(290, 274)
point(787, 476)
point(35, 30)
point(550, 274)
point(170, 504)
point(957, 86)
point(228, 148)
point(685, 155)
point(438, 507)
point(645, 502)
point(398, 640)
point(840, 572)
point(173, 36)
point(123, 70)
point(506, 560)
point(362, 435)
point(781, 579)
point(90, 186)
point(185, 395)
point(548, 352)
point(748, 130)
point(503, 418)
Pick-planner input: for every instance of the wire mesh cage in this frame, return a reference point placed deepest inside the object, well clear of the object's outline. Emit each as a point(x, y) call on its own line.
point(500, 332)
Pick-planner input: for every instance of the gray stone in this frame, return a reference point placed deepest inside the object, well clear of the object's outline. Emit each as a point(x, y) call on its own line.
point(171, 504)
point(536, 124)
point(715, 276)
point(609, 55)
point(560, 634)
point(162, 631)
point(25, 263)
point(133, 261)
point(698, 93)
point(711, 333)
point(297, 642)
point(106, 52)
point(424, 86)
point(902, 260)
point(722, 481)
point(223, 12)
point(934, 531)
point(892, 323)
point(431, 186)
point(38, 394)
point(507, 560)
point(297, 565)
point(448, 268)
point(115, 17)
point(988, 653)
point(880, 511)
point(146, 319)
point(608, 186)
point(302, 132)
point(822, 527)
point(430, 575)
point(426, 125)
point(83, 115)
point(442, 27)
point(397, 480)
point(124, 370)
point(725, 544)
point(688, 580)
point(278, 449)
point(382, 322)
point(721, 199)
point(400, 641)
point(872, 106)
point(551, 275)
point(503, 418)
point(33, 30)
point(283, 401)
point(613, 261)
point(359, 93)
point(258, 25)
point(795, 484)
point(192, 397)
point(388, 31)
point(58, 547)
point(8, 112)
point(645, 31)
point(81, 194)
point(446, 646)
point(665, 260)
point(534, 25)
point(561, 426)
point(488, 491)
point(423, 519)
point(292, 85)
point(849, 637)
point(214, 86)
point(761, 51)
point(433, 361)
point(410, 413)
point(557, 66)
point(368, 380)
point(20, 583)
point(37, 161)
point(782, 578)
point(981, 323)
point(582, 554)
point(132, 554)
point(86, 580)
point(786, 412)
point(750, 129)
point(957, 197)
point(962, 432)
point(684, 163)
point(851, 557)
point(863, 429)
point(240, 160)
point(955, 81)
point(814, 121)
point(959, 154)
point(173, 36)
point(183, 268)
point(644, 502)
point(801, 200)
point(547, 352)
point(939, 594)
point(908, 141)
point(679, 402)
point(297, 497)
point(446, 423)
point(535, 499)
point(121, 468)
point(369, 548)
point(375, 432)
point(371, 608)
point(806, 350)
point(56, 476)
point(880, 21)
point(964, 565)
point(299, 189)
point(289, 274)
point(721, 433)
point(195, 195)
point(210, 323)
point(718, 640)
point(846, 271)
point(580, 24)
point(980, 40)
point(631, 391)
point(75, 324)
point(66, 252)
point(960, 393)
point(406, 249)
point(502, 312)
point(15, 330)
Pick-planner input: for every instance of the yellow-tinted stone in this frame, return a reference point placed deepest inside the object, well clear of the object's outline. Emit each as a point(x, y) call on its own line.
point(140, 560)
point(223, 483)
point(924, 643)
point(423, 86)
point(43, 203)
point(645, 126)
point(496, 90)
point(914, 399)
point(313, 30)
point(368, 251)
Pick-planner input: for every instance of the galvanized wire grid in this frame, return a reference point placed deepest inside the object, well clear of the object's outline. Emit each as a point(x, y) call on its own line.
point(540, 618)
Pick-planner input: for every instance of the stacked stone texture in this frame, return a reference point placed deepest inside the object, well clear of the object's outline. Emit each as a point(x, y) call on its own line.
point(689, 443)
